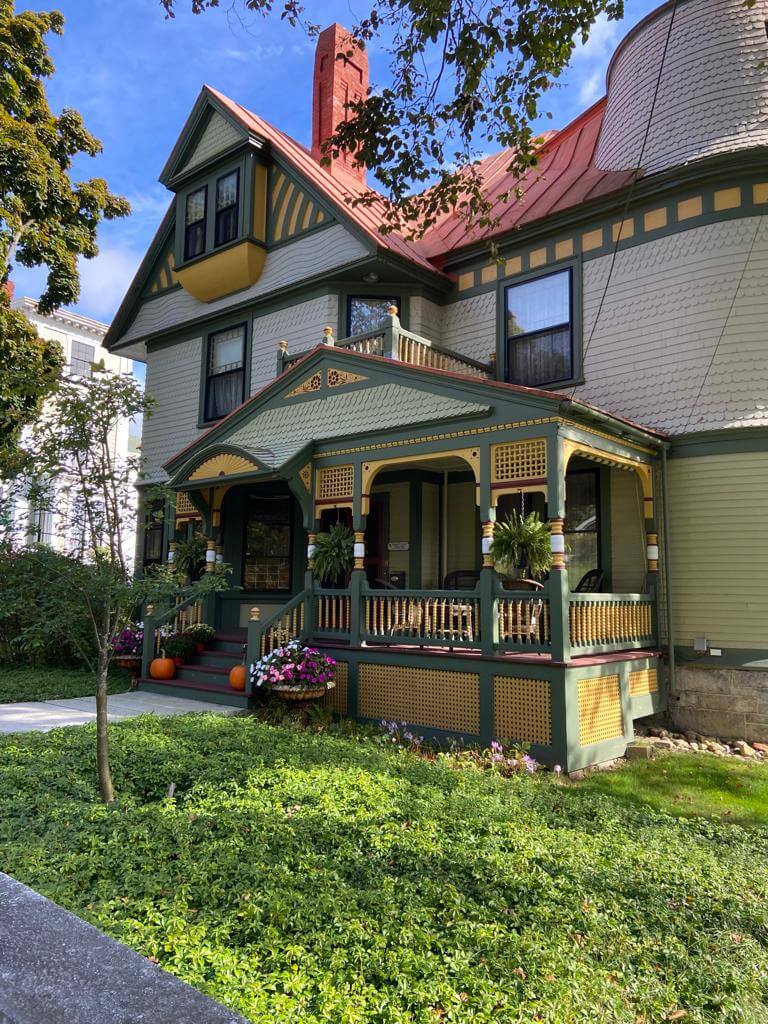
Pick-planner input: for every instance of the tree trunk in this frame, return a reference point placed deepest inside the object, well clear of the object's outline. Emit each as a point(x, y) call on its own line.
point(106, 789)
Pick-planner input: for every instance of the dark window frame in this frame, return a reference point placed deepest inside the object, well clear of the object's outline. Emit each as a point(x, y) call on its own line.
point(368, 297)
point(154, 527)
point(509, 341)
point(290, 521)
point(202, 220)
point(217, 213)
point(205, 418)
point(574, 264)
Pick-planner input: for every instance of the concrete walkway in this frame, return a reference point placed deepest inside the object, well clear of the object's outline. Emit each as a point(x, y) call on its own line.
point(40, 716)
point(56, 969)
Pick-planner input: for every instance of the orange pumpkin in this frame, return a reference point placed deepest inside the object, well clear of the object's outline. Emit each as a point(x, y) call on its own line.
point(162, 668)
point(237, 677)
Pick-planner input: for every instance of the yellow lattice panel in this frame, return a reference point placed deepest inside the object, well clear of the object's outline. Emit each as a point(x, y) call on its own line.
point(338, 378)
point(522, 710)
point(599, 710)
point(335, 482)
point(185, 508)
point(422, 696)
point(336, 699)
point(519, 460)
point(643, 681)
point(313, 383)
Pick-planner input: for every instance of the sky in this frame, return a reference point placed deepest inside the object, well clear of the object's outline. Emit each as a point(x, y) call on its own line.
point(134, 75)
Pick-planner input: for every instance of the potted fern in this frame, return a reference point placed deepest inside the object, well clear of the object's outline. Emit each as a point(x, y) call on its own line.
point(334, 555)
point(521, 546)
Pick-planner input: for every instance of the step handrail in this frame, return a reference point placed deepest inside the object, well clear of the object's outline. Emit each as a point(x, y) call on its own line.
point(287, 623)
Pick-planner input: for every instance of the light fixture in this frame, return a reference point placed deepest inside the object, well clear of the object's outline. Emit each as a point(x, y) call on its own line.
point(371, 278)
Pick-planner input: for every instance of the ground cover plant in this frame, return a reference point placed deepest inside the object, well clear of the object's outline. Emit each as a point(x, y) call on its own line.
point(308, 876)
point(27, 682)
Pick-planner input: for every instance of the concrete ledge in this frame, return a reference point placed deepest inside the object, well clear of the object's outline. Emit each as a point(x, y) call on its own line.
point(56, 969)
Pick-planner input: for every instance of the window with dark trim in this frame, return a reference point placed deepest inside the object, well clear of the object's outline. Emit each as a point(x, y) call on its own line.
point(582, 522)
point(538, 317)
point(227, 198)
point(268, 544)
point(194, 223)
point(366, 312)
point(153, 532)
point(225, 372)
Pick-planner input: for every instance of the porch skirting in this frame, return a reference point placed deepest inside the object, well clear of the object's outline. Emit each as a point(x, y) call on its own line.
point(573, 715)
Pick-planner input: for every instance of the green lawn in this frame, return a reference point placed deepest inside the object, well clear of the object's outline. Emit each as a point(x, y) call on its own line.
point(20, 682)
point(689, 785)
point(307, 878)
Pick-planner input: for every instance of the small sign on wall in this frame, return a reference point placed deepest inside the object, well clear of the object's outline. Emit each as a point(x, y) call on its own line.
point(398, 545)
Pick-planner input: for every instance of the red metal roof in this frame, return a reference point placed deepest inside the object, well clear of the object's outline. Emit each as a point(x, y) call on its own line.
point(565, 177)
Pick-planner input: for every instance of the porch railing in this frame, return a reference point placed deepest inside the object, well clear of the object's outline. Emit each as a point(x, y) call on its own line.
point(393, 341)
point(523, 621)
point(333, 612)
point(162, 623)
point(422, 617)
point(610, 622)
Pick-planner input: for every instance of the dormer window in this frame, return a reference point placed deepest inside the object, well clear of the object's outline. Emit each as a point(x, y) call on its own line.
point(227, 194)
point(194, 230)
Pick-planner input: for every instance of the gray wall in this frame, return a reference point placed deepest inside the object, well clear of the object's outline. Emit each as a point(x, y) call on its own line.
point(300, 325)
point(173, 380)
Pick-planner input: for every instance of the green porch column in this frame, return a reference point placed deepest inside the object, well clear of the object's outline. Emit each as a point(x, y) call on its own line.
point(558, 586)
point(309, 584)
point(357, 576)
point(489, 619)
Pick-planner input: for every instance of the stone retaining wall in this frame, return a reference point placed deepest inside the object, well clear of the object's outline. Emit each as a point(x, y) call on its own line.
point(728, 702)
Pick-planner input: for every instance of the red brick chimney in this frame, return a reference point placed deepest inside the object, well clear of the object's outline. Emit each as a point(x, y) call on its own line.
point(337, 83)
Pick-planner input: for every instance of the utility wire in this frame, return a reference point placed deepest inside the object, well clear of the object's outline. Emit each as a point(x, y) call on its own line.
point(725, 322)
point(631, 191)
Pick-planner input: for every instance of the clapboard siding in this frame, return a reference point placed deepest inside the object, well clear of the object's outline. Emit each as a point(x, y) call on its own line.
point(469, 326)
point(300, 325)
point(300, 260)
point(173, 380)
point(718, 553)
point(660, 325)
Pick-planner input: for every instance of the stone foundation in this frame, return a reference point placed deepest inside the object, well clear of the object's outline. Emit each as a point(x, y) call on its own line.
point(728, 702)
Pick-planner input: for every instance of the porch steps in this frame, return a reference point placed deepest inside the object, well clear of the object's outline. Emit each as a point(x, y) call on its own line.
point(206, 675)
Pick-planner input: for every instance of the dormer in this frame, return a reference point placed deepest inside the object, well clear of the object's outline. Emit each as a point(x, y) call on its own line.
point(219, 175)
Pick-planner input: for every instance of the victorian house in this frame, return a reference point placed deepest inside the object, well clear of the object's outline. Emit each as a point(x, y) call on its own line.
point(609, 371)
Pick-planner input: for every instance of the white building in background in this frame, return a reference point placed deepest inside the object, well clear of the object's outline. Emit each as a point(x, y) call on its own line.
point(81, 340)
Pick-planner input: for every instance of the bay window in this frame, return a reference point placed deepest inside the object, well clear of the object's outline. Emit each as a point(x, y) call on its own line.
point(194, 223)
point(227, 189)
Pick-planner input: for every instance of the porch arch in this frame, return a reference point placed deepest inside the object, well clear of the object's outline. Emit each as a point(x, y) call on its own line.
point(435, 460)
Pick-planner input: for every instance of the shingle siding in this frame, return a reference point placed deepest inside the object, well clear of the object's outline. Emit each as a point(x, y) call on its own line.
point(301, 260)
point(469, 326)
point(218, 135)
point(713, 91)
point(657, 334)
point(426, 318)
point(300, 325)
point(173, 380)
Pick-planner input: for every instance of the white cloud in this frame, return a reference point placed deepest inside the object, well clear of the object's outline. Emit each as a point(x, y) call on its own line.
point(602, 41)
point(591, 87)
point(104, 281)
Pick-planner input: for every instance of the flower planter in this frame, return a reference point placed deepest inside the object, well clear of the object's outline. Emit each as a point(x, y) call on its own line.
point(298, 693)
point(130, 662)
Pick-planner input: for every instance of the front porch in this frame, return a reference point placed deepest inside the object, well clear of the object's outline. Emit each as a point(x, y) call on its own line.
point(424, 628)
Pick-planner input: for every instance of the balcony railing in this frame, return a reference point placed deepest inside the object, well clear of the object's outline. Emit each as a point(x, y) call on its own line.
point(394, 342)
point(610, 622)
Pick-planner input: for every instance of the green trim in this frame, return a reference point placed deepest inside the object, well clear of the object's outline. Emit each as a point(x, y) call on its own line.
point(666, 188)
point(228, 324)
point(732, 657)
point(728, 441)
point(576, 310)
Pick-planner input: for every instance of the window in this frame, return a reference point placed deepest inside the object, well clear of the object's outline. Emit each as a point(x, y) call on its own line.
point(582, 522)
point(225, 376)
point(366, 312)
point(267, 562)
point(153, 532)
point(539, 338)
point(226, 208)
point(81, 359)
point(194, 223)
